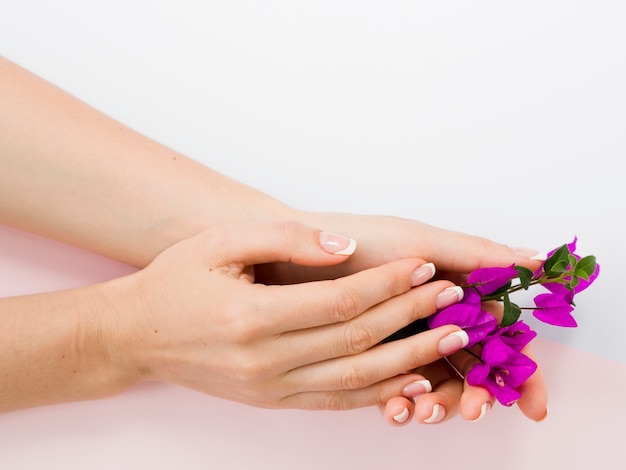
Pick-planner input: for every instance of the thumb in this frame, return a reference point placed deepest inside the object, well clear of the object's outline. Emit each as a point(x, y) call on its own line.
point(289, 242)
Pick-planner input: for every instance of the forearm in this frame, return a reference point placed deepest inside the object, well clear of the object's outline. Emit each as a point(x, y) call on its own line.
point(56, 347)
point(71, 173)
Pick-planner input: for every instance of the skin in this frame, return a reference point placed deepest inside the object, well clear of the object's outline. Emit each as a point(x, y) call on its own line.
point(73, 174)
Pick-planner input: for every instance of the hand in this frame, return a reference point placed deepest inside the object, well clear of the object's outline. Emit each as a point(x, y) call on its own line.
point(196, 318)
point(452, 393)
point(383, 239)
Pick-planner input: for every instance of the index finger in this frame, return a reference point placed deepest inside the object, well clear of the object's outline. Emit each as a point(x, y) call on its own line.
point(318, 303)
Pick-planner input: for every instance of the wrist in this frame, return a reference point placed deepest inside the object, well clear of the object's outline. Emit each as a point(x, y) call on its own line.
point(116, 337)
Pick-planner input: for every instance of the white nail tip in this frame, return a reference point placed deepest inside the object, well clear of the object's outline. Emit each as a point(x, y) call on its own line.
point(349, 249)
point(427, 385)
point(463, 335)
point(459, 291)
point(435, 417)
point(430, 266)
point(483, 411)
point(539, 257)
point(402, 417)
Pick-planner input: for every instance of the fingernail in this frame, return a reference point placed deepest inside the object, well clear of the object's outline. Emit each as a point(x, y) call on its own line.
point(416, 388)
point(337, 244)
point(439, 412)
point(402, 417)
point(530, 253)
point(483, 411)
point(452, 343)
point(422, 274)
point(449, 296)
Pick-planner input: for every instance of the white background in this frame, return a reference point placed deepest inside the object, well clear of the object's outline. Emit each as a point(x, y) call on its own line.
point(502, 119)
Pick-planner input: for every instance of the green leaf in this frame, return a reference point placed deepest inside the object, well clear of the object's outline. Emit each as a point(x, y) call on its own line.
point(572, 261)
point(512, 312)
point(586, 265)
point(525, 276)
point(573, 283)
point(557, 263)
point(581, 274)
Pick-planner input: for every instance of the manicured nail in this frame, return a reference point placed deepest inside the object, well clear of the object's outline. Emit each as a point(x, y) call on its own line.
point(402, 417)
point(419, 387)
point(483, 411)
point(449, 296)
point(530, 253)
point(337, 244)
point(439, 412)
point(452, 343)
point(422, 274)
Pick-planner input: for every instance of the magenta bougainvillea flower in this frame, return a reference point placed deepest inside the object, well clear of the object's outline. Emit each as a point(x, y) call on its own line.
point(502, 370)
point(503, 367)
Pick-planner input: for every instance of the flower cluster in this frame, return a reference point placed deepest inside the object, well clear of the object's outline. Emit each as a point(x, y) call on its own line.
point(502, 366)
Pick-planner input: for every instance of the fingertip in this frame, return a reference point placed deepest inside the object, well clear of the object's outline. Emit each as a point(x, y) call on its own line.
point(337, 244)
point(398, 411)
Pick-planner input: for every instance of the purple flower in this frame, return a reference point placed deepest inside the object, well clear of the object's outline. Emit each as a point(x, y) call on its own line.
point(517, 335)
point(468, 315)
point(488, 280)
point(504, 368)
point(555, 309)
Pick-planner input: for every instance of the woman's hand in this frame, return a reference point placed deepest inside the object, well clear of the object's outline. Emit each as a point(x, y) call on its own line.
point(383, 239)
point(195, 317)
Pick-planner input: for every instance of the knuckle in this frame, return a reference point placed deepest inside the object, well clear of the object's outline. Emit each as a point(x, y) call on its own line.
point(334, 401)
point(290, 231)
point(345, 305)
point(354, 377)
point(358, 338)
point(249, 370)
point(245, 324)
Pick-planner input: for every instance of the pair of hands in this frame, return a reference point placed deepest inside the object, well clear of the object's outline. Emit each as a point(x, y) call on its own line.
point(269, 314)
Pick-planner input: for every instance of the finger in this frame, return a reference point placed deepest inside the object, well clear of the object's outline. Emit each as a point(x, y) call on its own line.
point(475, 401)
point(276, 242)
point(442, 402)
point(374, 365)
point(534, 400)
point(376, 394)
point(398, 411)
point(366, 330)
point(300, 306)
point(463, 253)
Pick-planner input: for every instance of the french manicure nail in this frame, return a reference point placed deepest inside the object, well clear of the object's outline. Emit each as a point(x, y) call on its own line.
point(483, 411)
point(449, 296)
point(530, 253)
point(422, 274)
point(452, 343)
point(337, 244)
point(416, 388)
point(439, 412)
point(402, 417)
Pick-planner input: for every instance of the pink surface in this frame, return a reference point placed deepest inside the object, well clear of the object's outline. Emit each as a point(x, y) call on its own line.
point(161, 426)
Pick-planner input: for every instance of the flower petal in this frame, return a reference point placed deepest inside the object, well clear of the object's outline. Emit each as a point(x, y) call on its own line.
point(554, 310)
point(488, 280)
